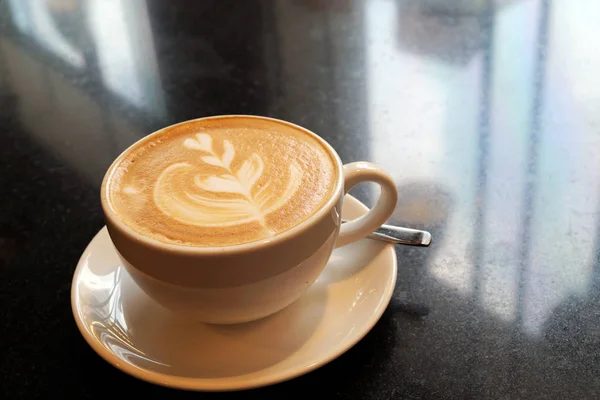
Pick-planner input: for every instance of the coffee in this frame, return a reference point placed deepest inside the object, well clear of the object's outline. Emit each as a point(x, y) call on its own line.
point(221, 181)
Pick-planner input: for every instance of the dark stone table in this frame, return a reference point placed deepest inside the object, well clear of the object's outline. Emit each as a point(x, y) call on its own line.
point(486, 113)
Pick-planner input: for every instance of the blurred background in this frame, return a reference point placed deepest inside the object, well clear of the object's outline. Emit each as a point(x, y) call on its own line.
point(485, 112)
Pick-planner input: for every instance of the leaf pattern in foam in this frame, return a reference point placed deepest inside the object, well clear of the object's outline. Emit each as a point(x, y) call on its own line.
point(212, 160)
point(205, 141)
point(202, 210)
point(250, 171)
point(228, 153)
point(221, 183)
point(201, 142)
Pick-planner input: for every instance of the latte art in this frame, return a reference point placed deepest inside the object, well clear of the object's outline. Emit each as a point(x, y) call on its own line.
point(248, 203)
point(222, 181)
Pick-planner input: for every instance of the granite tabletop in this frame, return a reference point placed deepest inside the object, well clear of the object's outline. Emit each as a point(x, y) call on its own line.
point(486, 113)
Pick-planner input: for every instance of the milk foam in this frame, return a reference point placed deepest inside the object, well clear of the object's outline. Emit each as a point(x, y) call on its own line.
point(223, 182)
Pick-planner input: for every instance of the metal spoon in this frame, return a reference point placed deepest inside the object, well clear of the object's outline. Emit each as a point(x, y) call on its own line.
point(397, 234)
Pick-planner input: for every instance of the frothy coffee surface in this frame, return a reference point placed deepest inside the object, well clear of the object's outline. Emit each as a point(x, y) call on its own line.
point(221, 181)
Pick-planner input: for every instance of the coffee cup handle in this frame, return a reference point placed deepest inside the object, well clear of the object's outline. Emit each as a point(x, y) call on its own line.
point(356, 229)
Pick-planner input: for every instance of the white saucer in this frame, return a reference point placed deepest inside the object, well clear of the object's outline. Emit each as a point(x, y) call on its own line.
point(138, 336)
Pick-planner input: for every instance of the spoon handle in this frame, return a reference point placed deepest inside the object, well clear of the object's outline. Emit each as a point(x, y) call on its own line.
point(396, 234)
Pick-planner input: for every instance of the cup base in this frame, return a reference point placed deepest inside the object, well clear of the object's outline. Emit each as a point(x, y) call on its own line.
point(132, 332)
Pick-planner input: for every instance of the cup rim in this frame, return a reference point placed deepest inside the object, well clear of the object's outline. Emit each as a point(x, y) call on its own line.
point(288, 234)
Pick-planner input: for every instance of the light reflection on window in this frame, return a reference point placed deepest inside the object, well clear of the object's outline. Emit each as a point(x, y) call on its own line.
point(33, 18)
point(568, 167)
point(126, 53)
point(122, 41)
point(409, 98)
point(429, 107)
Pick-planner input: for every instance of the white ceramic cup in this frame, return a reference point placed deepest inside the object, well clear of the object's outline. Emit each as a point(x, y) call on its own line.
point(241, 283)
